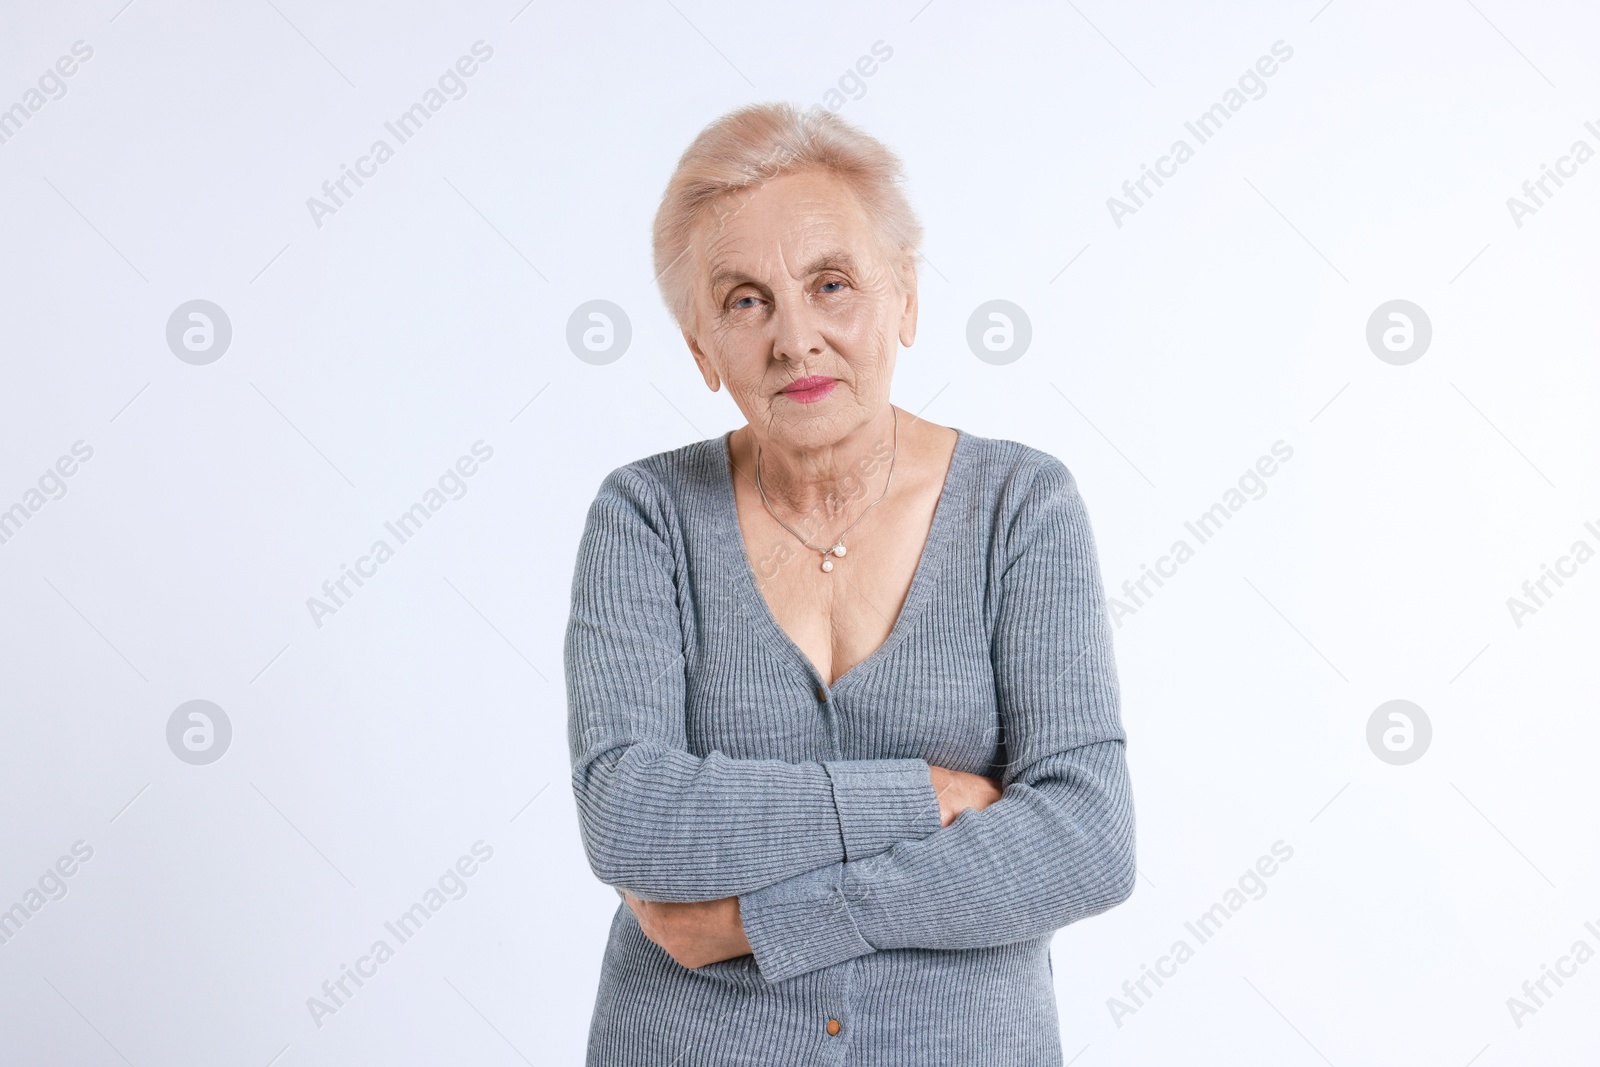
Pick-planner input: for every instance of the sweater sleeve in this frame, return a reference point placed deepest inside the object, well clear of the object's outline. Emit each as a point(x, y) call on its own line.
point(1059, 844)
point(654, 818)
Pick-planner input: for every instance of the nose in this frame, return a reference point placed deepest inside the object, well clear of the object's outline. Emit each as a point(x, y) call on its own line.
point(796, 333)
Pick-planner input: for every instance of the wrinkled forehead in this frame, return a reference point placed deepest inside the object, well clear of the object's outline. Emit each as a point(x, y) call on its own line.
point(791, 224)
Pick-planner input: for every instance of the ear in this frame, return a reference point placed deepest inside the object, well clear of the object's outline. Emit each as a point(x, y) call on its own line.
point(707, 371)
point(908, 316)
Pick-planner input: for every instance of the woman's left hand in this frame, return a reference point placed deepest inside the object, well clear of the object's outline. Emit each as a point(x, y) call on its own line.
point(694, 934)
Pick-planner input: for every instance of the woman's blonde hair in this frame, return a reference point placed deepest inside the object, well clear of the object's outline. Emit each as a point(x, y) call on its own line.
point(754, 144)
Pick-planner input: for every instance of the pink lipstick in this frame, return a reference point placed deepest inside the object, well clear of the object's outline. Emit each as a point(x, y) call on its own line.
point(810, 389)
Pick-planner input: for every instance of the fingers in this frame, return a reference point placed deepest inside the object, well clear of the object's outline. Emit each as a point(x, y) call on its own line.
point(959, 790)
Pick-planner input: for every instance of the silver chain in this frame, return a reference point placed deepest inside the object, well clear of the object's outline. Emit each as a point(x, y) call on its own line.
point(838, 548)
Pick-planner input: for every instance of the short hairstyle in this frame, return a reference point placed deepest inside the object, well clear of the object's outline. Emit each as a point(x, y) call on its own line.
point(750, 146)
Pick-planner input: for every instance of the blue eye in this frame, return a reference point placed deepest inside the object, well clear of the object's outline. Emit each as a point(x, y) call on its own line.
point(741, 302)
point(826, 284)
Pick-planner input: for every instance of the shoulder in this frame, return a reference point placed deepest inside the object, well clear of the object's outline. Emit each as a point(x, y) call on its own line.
point(665, 483)
point(1028, 501)
point(1016, 473)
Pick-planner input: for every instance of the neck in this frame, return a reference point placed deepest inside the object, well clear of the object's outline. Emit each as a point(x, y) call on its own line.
point(820, 484)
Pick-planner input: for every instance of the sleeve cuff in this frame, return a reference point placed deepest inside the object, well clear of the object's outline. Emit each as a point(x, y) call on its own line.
point(801, 924)
point(882, 802)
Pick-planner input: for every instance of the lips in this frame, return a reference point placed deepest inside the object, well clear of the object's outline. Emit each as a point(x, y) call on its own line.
point(810, 389)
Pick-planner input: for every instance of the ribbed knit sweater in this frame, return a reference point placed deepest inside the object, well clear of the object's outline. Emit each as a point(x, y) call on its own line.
point(710, 759)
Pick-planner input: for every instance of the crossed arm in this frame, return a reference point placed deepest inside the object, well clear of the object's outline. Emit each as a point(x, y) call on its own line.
point(696, 933)
point(809, 864)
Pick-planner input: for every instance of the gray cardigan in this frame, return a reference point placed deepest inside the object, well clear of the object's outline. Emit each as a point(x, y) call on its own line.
point(710, 759)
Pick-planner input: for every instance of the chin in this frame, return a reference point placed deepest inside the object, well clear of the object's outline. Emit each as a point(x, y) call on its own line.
point(805, 430)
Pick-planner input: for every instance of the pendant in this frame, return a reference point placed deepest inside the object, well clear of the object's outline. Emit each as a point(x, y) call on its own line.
point(836, 550)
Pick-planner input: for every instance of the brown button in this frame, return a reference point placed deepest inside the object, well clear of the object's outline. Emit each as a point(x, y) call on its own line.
point(833, 1027)
point(822, 694)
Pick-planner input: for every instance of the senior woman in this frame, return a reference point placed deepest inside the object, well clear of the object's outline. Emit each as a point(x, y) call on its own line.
point(844, 716)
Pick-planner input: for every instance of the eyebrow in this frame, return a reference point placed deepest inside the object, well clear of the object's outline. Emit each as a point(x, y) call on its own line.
point(835, 260)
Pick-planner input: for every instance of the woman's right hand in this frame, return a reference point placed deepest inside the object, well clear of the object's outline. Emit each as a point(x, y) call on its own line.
point(959, 791)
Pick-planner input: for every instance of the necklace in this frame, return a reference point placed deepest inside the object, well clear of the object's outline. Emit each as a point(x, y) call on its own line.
point(838, 544)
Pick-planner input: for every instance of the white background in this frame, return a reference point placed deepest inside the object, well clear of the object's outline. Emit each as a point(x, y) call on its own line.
point(430, 312)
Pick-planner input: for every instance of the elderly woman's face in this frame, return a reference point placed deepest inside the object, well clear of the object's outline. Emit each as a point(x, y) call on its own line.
point(793, 288)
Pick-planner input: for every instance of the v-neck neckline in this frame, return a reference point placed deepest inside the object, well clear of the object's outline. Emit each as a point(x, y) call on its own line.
point(933, 549)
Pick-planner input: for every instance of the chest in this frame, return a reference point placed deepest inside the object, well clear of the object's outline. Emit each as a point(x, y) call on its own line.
point(898, 633)
point(838, 617)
